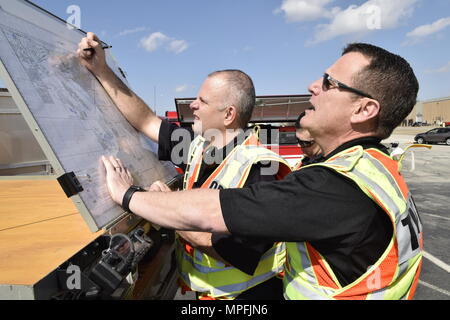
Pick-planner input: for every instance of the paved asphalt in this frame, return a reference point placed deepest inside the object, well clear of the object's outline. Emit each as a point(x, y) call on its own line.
point(428, 178)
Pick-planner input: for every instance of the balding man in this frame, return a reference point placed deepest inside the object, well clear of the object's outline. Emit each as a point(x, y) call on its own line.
point(350, 223)
point(216, 154)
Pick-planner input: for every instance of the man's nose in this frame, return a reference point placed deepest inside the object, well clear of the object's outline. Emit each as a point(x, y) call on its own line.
point(194, 105)
point(315, 87)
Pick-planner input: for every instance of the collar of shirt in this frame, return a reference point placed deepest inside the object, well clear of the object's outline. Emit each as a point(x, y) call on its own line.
point(207, 168)
point(366, 143)
point(211, 152)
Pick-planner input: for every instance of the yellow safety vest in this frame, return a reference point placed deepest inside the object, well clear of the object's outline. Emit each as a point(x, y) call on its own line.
point(202, 273)
point(299, 164)
point(395, 275)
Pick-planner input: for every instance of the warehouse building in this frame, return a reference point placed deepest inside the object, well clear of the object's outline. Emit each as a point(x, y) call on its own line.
point(436, 111)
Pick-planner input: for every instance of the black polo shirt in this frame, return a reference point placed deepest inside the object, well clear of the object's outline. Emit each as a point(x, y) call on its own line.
point(242, 252)
point(317, 205)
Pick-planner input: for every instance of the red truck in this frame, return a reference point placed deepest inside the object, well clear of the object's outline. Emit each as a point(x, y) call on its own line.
point(275, 115)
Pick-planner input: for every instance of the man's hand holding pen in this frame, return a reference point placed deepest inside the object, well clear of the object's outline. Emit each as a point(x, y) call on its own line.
point(92, 54)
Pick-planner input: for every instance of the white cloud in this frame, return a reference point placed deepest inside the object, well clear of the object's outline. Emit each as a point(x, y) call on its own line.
point(178, 46)
point(131, 31)
point(355, 19)
point(304, 10)
point(181, 88)
point(443, 69)
point(157, 40)
point(371, 15)
point(428, 29)
point(154, 41)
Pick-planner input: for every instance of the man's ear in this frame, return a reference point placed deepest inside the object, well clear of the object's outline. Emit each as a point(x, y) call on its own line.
point(365, 110)
point(230, 116)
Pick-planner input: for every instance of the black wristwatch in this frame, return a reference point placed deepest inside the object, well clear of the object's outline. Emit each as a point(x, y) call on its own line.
point(128, 195)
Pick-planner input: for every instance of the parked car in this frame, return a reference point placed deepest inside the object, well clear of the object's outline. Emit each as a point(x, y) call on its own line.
point(434, 136)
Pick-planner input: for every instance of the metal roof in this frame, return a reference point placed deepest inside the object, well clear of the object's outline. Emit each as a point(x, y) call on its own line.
point(280, 108)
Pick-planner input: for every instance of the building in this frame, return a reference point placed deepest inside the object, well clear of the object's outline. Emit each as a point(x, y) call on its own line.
point(432, 112)
point(416, 115)
point(436, 111)
point(20, 153)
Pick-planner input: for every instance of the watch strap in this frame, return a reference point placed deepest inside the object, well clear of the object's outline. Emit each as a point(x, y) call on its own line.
point(128, 195)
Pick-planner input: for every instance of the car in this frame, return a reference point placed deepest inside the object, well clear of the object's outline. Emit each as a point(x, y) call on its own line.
point(436, 135)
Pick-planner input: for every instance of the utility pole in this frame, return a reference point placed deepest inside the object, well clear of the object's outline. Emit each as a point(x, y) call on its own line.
point(154, 98)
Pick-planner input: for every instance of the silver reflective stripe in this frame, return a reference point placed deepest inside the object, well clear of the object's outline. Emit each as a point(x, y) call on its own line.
point(307, 293)
point(201, 268)
point(221, 266)
point(384, 196)
point(190, 167)
point(239, 287)
point(377, 295)
point(379, 191)
point(306, 263)
point(342, 163)
point(387, 174)
point(198, 255)
point(403, 268)
point(404, 233)
point(239, 155)
point(225, 290)
point(308, 274)
point(277, 249)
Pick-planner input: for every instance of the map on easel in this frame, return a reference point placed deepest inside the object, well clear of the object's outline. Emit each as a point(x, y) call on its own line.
point(68, 111)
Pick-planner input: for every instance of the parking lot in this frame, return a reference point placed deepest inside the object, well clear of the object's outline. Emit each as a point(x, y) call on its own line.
point(427, 173)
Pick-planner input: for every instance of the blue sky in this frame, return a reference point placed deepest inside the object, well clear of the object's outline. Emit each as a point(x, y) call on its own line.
point(172, 45)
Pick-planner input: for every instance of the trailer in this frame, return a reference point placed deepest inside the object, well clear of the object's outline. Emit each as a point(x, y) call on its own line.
point(275, 115)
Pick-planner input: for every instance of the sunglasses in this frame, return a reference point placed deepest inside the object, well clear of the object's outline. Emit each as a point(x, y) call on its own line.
point(305, 143)
point(329, 82)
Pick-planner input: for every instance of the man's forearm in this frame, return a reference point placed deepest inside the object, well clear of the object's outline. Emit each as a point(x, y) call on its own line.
point(201, 241)
point(193, 210)
point(135, 110)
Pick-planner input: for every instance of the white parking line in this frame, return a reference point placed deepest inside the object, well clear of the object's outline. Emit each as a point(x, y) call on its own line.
point(428, 285)
point(435, 216)
point(436, 261)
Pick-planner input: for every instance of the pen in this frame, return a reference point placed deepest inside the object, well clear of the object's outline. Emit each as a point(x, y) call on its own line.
point(92, 49)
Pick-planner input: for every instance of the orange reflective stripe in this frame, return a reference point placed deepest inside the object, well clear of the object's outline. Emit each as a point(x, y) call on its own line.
point(252, 141)
point(249, 141)
point(194, 175)
point(392, 167)
point(385, 273)
point(183, 286)
point(187, 246)
point(213, 175)
point(203, 297)
point(412, 291)
point(282, 172)
point(320, 268)
point(340, 154)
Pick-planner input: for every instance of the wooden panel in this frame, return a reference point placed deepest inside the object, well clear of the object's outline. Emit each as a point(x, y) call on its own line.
point(24, 202)
point(40, 229)
point(29, 253)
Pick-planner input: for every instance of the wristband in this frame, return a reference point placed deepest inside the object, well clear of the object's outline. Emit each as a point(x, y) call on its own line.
point(128, 195)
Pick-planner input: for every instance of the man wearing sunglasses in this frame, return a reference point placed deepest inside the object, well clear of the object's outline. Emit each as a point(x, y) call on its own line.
point(312, 152)
point(350, 224)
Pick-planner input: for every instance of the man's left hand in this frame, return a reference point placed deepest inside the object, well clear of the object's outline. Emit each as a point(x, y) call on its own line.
point(118, 178)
